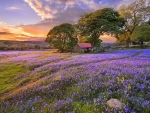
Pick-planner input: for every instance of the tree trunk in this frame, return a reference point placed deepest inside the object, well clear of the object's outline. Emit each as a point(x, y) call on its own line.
point(62, 51)
point(92, 41)
point(141, 44)
point(128, 42)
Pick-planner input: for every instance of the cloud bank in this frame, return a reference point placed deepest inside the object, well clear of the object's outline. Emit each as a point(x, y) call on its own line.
point(20, 33)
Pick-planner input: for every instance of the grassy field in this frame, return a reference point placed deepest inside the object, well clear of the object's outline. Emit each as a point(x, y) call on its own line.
point(46, 82)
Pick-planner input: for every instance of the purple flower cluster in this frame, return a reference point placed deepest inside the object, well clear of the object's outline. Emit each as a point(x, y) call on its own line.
point(77, 81)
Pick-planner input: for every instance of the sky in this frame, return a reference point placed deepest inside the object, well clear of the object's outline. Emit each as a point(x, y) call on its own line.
point(30, 20)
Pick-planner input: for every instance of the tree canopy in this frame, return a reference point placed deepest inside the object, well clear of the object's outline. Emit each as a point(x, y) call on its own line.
point(135, 14)
point(103, 21)
point(84, 39)
point(62, 37)
point(141, 34)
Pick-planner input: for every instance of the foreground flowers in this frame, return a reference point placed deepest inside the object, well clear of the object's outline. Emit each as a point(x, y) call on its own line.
point(84, 83)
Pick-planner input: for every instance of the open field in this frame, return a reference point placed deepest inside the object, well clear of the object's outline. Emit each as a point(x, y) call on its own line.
point(46, 82)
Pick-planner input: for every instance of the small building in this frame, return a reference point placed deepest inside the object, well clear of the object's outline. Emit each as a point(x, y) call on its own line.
point(83, 47)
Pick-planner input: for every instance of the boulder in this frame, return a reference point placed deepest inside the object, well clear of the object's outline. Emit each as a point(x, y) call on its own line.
point(114, 103)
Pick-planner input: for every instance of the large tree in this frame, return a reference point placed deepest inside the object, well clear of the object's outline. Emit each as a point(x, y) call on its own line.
point(135, 14)
point(103, 21)
point(141, 34)
point(62, 37)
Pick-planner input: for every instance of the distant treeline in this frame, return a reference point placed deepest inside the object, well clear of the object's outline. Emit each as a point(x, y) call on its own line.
point(24, 45)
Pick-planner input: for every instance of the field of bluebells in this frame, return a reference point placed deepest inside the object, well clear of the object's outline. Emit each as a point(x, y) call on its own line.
point(46, 82)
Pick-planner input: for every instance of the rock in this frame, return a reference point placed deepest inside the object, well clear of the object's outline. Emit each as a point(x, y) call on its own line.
point(114, 103)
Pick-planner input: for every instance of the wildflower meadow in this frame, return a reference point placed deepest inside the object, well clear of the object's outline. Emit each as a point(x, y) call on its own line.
point(46, 82)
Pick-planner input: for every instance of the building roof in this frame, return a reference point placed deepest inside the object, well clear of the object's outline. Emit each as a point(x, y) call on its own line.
point(85, 45)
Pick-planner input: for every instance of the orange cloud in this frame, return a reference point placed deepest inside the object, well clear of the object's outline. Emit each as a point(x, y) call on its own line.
point(20, 33)
point(35, 30)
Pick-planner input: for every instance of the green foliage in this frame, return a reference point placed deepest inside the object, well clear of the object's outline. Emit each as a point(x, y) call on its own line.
point(149, 22)
point(62, 37)
point(8, 76)
point(135, 14)
point(81, 107)
point(24, 81)
point(141, 34)
point(104, 21)
point(84, 39)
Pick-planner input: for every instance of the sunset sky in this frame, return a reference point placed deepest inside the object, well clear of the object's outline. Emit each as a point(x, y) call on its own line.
point(26, 20)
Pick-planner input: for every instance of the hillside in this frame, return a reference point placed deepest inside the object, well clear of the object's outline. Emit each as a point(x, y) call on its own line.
point(22, 45)
point(47, 82)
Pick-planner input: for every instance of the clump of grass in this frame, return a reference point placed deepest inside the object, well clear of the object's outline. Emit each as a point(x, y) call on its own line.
point(81, 107)
point(24, 81)
point(8, 75)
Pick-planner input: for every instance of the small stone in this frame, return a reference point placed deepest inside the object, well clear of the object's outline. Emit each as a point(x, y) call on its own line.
point(114, 103)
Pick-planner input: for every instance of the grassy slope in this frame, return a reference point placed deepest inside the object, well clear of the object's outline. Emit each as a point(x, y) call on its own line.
point(12, 78)
point(9, 74)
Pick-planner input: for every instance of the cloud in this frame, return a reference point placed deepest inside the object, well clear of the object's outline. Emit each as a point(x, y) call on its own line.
point(8, 32)
point(2, 23)
point(4, 33)
point(37, 6)
point(13, 8)
point(50, 9)
point(37, 30)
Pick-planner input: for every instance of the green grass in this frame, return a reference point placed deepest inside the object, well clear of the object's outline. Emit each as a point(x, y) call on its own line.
point(9, 74)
